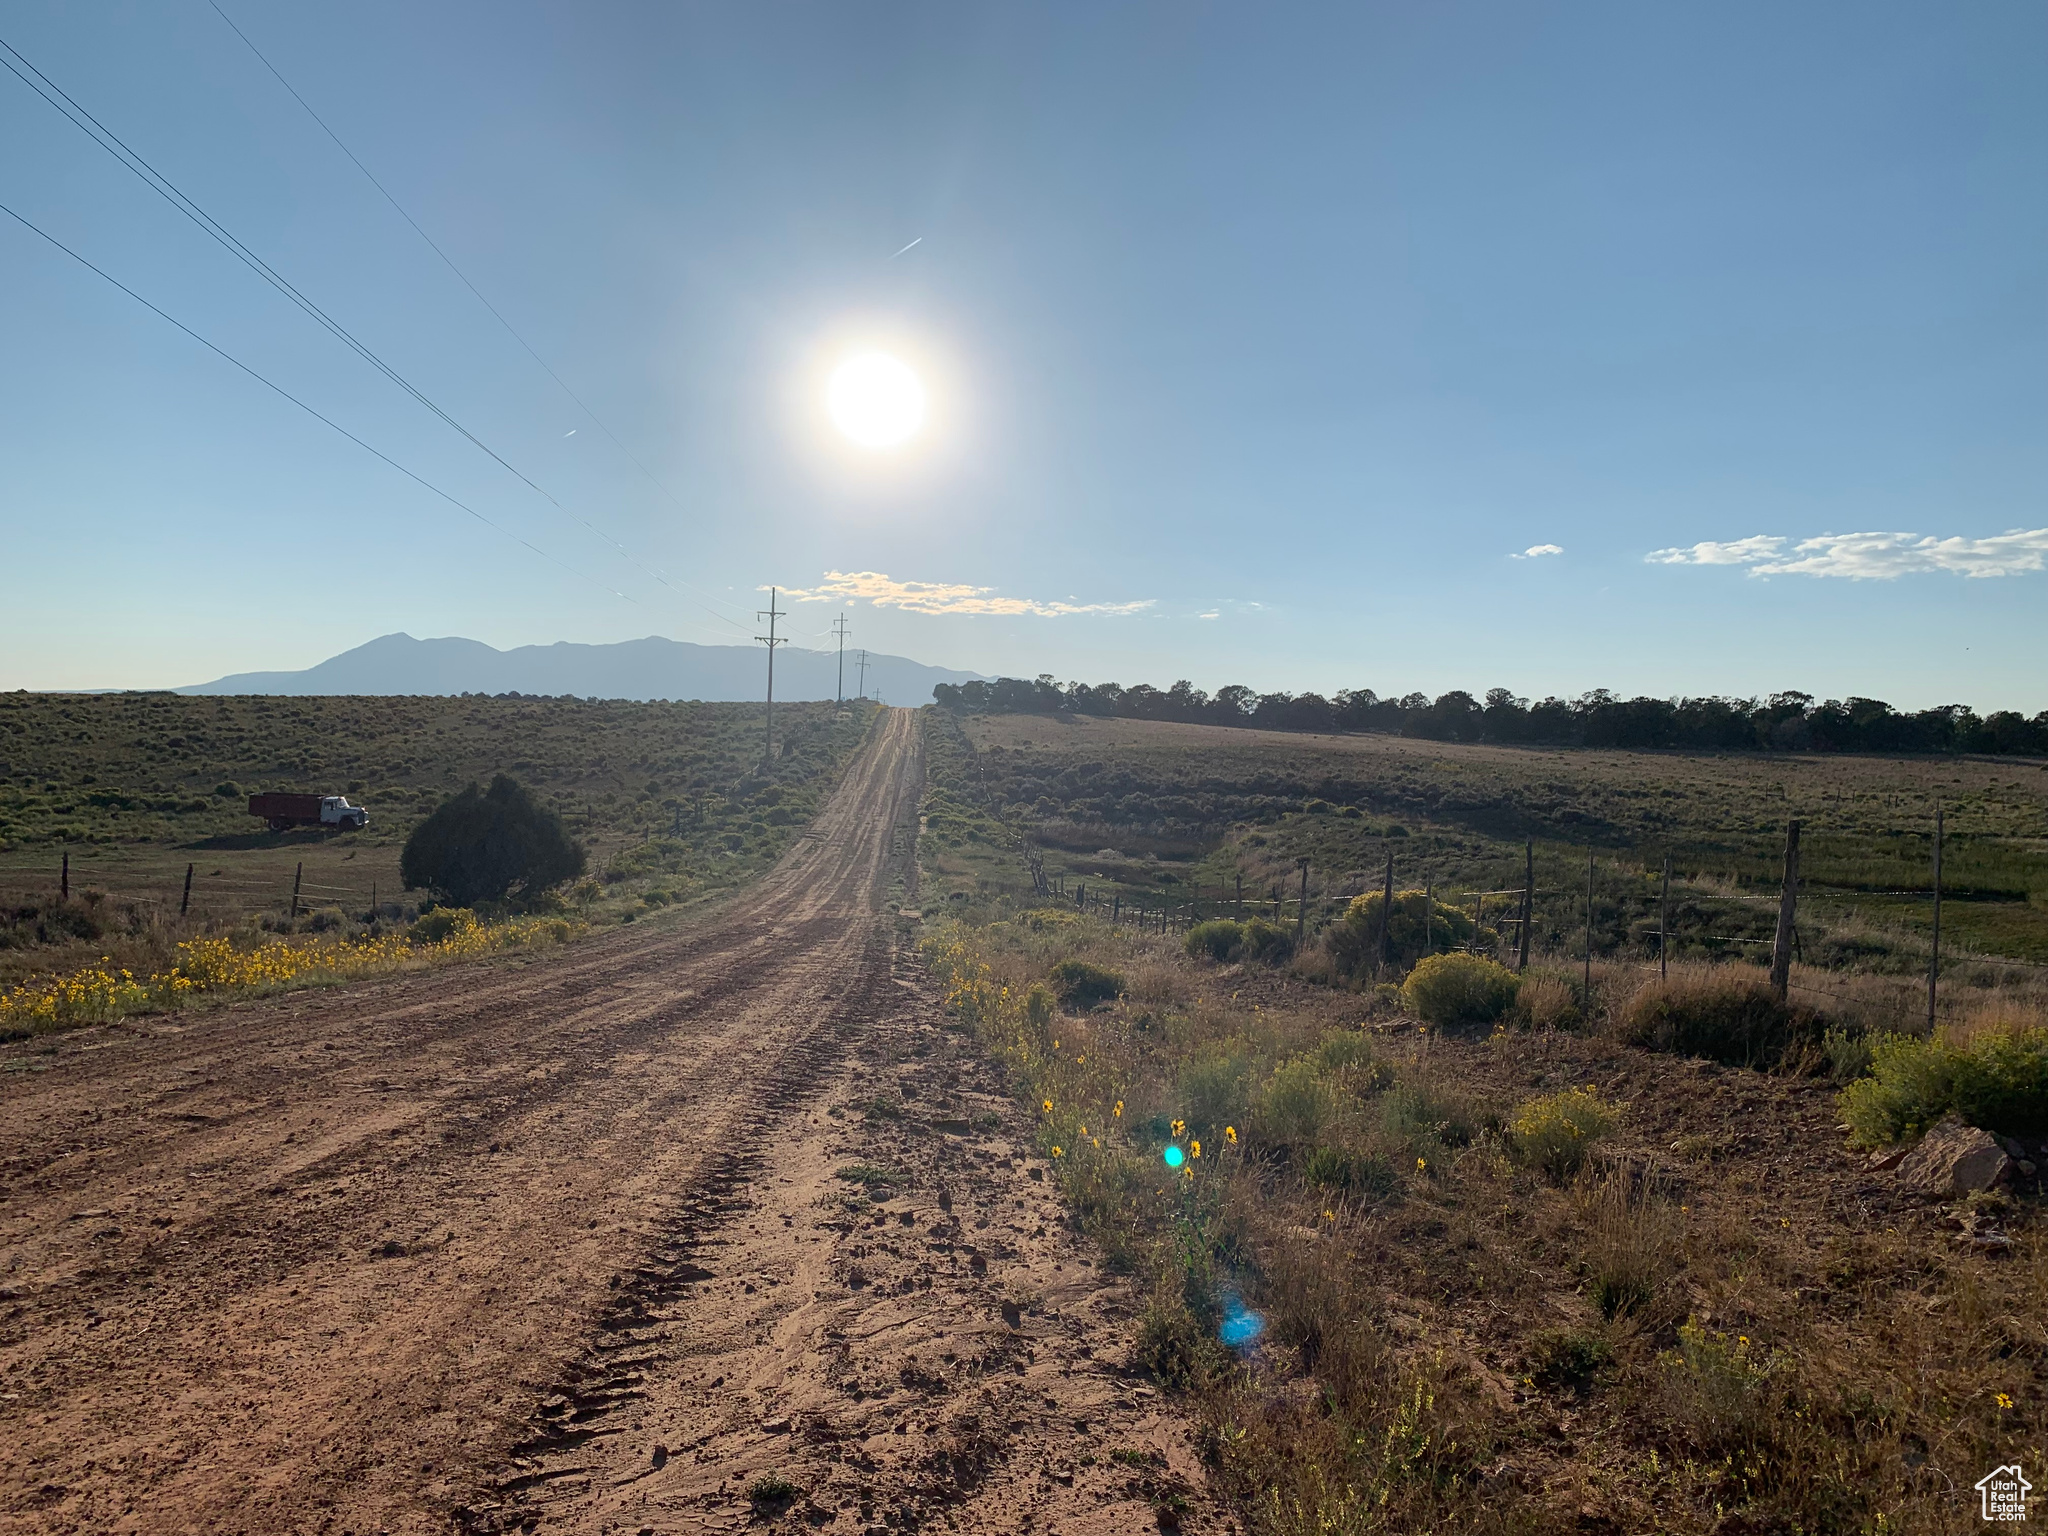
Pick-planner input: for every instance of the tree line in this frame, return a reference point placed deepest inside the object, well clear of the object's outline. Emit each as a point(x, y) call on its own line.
point(1784, 722)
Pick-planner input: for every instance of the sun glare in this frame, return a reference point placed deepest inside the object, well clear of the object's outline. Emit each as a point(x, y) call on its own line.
point(876, 400)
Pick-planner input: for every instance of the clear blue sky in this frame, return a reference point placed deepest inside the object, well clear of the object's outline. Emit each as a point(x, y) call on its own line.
point(1295, 325)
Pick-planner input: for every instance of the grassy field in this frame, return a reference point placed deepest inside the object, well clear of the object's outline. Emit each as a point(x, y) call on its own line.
point(1154, 813)
point(1532, 1275)
point(133, 788)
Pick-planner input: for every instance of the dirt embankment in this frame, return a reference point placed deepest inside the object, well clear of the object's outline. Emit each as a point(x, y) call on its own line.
point(560, 1244)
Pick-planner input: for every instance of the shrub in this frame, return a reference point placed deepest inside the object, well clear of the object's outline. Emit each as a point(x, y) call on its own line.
point(1215, 1087)
point(1353, 1172)
point(1848, 1053)
point(1423, 1118)
point(1270, 942)
point(1354, 942)
point(1459, 989)
point(482, 845)
point(1557, 1131)
point(773, 1489)
point(2000, 1083)
point(1219, 938)
point(1738, 1021)
point(1571, 1359)
point(436, 926)
point(1081, 985)
point(1297, 1102)
point(1547, 1001)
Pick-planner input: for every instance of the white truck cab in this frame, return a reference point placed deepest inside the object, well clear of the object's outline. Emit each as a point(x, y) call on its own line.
point(335, 811)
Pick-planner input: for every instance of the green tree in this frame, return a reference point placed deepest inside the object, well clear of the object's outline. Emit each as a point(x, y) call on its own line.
point(485, 845)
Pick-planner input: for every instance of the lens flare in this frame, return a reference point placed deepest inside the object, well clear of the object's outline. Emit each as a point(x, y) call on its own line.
point(1174, 1157)
point(876, 400)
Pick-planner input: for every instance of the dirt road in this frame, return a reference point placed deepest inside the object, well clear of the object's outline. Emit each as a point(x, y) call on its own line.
point(596, 1241)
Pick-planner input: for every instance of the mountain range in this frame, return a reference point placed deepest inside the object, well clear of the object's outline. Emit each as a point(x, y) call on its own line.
point(653, 668)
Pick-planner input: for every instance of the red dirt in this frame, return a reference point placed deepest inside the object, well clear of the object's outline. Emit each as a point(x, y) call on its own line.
point(460, 1251)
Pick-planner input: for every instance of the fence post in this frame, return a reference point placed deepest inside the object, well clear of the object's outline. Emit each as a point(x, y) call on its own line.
point(298, 876)
point(1664, 925)
point(1528, 901)
point(1588, 992)
point(1934, 957)
point(1428, 914)
point(1301, 914)
point(1387, 914)
point(1240, 898)
point(185, 901)
point(1788, 904)
point(64, 880)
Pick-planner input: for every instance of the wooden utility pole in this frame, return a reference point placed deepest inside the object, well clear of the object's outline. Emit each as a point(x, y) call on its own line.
point(863, 675)
point(185, 901)
point(771, 614)
point(839, 629)
point(1788, 908)
point(1934, 957)
point(1528, 901)
point(1664, 925)
point(298, 877)
point(1301, 909)
point(1387, 913)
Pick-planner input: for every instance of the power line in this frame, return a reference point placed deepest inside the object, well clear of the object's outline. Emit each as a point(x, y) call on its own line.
point(463, 277)
point(295, 400)
point(112, 143)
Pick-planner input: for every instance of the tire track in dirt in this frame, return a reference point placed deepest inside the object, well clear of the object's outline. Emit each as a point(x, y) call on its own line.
point(389, 1258)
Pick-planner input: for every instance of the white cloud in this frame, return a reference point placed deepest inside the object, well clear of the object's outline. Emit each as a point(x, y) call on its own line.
point(1211, 614)
point(943, 597)
point(1538, 551)
point(1870, 556)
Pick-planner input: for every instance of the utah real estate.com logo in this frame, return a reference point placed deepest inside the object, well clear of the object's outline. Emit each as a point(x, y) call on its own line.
point(2004, 1492)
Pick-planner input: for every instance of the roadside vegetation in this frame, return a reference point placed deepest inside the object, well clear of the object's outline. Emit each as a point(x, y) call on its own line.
point(666, 800)
point(1435, 1243)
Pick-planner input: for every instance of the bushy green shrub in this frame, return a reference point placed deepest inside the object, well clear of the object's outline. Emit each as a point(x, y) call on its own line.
point(439, 923)
point(2000, 1083)
point(1270, 942)
point(1557, 1131)
point(1571, 1359)
point(1349, 1053)
point(1736, 1020)
point(1459, 989)
point(1297, 1102)
point(1545, 1000)
point(483, 845)
point(1354, 942)
point(1215, 1089)
point(1220, 939)
point(1081, 985)
point(1848, 1053)
point(1424, 1118)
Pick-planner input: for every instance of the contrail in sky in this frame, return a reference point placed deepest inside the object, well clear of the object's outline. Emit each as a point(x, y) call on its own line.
point(918, 241)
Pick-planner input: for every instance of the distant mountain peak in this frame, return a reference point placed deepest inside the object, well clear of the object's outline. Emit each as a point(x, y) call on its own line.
point(653, 667)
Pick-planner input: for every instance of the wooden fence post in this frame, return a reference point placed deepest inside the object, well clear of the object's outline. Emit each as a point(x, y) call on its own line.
point(1788, 904)
point(64, 880)
point(1664, 925)
point(1934, 956)
point(1301, 914)
point(298, 877)
point(185, 901)
point(1428, 914)
point(1240, 898)
point(1528, 902)
point(1387, 914)
point(1588, 993)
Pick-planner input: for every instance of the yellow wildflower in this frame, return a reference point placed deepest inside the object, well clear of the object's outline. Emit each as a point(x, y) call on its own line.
point(1230, 1134)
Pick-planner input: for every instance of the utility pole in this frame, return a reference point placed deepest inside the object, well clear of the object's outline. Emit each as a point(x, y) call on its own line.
point(863, 675)
point(1934, 959)
point(1788, 906)
point(771, 614)
point(839, 629)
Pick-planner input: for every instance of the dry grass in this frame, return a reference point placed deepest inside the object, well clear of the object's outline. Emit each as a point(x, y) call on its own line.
point(1725, 1322)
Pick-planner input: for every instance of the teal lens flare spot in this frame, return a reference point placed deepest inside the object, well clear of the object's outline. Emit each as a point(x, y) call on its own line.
point(1174, 1157)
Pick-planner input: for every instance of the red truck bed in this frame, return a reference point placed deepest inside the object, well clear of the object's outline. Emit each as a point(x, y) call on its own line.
point(285, 807)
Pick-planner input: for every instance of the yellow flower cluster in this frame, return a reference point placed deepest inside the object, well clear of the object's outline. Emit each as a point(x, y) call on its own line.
point(99, 993)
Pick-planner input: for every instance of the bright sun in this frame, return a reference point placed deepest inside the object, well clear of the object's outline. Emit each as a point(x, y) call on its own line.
point(876, 400)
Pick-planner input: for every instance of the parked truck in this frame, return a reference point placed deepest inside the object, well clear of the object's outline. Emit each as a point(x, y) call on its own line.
point(333, 811)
